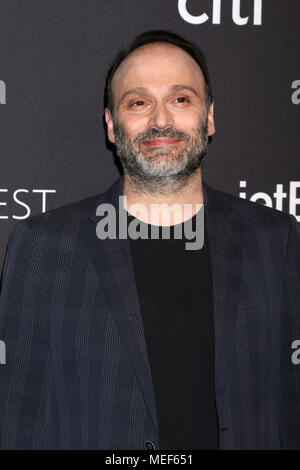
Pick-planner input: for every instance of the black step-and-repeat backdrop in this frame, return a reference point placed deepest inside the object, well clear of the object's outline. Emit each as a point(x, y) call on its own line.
point(54, 55)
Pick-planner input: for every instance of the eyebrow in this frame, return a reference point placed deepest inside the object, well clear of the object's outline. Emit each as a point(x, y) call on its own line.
point(173, 88)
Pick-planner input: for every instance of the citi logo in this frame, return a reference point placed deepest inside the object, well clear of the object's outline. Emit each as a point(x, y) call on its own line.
point(2, 92)
point(216, 13)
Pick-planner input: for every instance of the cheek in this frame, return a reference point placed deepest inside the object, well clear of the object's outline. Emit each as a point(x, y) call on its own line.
point(134, 124)
point(188, 122)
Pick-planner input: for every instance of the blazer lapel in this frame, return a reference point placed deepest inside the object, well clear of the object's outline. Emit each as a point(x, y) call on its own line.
point(225, 232)
point(112, 260)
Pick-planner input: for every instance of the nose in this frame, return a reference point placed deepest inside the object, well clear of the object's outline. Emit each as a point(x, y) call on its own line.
point(161, 116)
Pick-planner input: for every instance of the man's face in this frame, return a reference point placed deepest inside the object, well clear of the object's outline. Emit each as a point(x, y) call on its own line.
point(160, 124)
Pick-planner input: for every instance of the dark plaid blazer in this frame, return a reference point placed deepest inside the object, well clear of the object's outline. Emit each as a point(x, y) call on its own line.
point(77, 374)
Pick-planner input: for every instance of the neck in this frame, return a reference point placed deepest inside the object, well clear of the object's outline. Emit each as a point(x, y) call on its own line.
point(169, 208)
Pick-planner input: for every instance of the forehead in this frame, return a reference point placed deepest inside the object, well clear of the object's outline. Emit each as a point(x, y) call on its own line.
point(156, 66)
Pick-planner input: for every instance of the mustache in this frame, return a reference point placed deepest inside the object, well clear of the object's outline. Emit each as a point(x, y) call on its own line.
point(156, 133)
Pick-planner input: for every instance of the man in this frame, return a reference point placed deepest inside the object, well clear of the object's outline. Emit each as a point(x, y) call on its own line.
point(128, 342)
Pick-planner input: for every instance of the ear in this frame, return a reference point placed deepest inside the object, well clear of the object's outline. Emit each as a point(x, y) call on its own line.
point(210, 120)
point(110, 126)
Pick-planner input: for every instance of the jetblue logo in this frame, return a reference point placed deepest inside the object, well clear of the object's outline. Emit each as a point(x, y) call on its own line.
point(216, 14)
point(2, 92)
point(276, 200)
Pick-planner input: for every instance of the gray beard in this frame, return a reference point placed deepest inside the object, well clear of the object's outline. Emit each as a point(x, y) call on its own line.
point(160, 171)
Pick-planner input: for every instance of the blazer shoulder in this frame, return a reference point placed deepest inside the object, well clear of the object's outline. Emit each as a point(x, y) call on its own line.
point(256, 217)
point(257, 208)
point(66, 220)
point(59, 219)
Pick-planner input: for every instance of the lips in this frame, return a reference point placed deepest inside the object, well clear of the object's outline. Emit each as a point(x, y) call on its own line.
point(161, 141)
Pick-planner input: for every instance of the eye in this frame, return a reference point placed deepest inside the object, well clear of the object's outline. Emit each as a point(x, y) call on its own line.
point(183, 98)
point(136, 102)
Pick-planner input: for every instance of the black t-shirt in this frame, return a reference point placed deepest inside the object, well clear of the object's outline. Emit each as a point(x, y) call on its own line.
point(174, 288)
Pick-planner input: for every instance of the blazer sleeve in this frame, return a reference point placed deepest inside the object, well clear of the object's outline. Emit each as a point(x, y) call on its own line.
point(24, 336)
point(290, 332)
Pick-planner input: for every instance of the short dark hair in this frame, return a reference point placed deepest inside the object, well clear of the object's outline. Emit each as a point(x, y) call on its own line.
point(149, 37)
